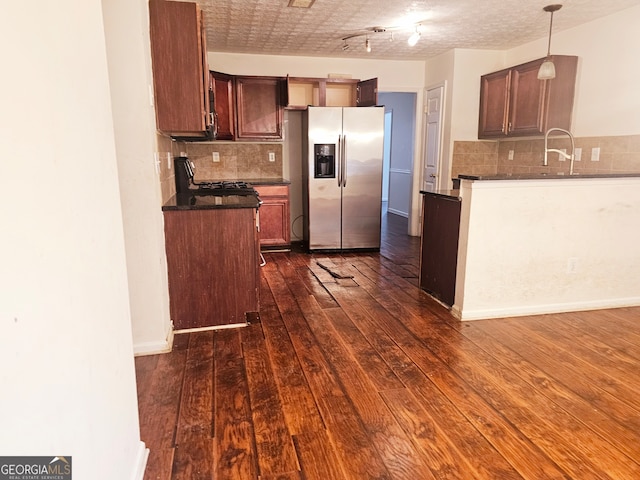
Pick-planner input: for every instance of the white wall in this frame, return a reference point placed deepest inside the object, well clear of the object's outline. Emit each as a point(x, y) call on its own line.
point(607, 98)
point(393, 75)
point(460, 71)
point(541, 246)
point(68, 380)
point(126, 23)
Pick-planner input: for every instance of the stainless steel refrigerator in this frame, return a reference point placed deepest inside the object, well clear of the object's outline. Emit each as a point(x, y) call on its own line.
point(343, 177)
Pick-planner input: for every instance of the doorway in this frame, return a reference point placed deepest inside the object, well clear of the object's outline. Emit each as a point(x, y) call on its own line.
point(399, 136)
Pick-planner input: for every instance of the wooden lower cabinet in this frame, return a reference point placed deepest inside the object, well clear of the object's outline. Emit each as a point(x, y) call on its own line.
point(275, 228)
point(439, 250)
point(213, 265)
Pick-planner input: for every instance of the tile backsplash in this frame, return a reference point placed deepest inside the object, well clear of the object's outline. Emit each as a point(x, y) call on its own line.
point(238, 161)
point(617, 154)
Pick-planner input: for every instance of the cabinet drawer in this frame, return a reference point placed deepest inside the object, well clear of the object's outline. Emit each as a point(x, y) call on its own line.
point(272, 190)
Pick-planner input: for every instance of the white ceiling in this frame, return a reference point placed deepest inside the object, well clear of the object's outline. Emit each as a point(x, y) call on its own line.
point(271, 27)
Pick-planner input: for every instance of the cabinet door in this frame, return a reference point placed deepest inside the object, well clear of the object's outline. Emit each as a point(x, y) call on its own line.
point(259, 108)
point(439, 256)
point(275, 230)
point(222, 105)
point(180, 73)
point(526, 103)
point(494, 102)
point(513, 102)
point(367, 93)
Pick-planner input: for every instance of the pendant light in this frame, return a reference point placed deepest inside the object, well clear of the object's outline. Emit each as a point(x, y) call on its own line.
point(547, 70)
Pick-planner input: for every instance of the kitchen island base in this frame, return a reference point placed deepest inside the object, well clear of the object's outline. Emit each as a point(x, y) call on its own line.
point(213, 266)
point(534, 245)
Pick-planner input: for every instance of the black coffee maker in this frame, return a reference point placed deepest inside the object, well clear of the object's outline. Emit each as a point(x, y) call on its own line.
point(184, 174)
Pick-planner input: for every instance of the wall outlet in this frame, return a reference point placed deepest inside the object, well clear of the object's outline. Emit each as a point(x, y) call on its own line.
point(577, 154)
point(511, 152)
point(272, 157)
point(215, 156)
point(595, 154)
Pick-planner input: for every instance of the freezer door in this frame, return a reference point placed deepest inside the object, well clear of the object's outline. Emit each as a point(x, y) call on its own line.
point(363, 135)
point(324, 210)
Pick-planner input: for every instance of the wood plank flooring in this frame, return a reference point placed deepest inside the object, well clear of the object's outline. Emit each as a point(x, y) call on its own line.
point(354, 373)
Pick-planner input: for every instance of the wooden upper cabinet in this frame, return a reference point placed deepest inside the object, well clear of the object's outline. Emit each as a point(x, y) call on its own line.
point(367, 93)
point(494, 104)
point(513, 102)
point(222, 101)
point(330, 92)
point(259, 108)
point(180, 72)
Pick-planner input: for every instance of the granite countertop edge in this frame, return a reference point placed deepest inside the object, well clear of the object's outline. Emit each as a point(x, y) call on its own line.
point(455, 194)
point(210, 202)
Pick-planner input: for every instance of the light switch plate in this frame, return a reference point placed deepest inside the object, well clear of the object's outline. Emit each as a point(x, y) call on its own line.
point(577, 154)
point(595, 154)
point(215, 156)
point(511, 154)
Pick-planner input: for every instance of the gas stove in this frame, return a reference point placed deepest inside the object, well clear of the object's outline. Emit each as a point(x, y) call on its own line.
point(185, 184)
point(222, 188)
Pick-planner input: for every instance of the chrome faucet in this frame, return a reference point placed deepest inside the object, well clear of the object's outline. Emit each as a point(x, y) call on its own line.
point(560, 152)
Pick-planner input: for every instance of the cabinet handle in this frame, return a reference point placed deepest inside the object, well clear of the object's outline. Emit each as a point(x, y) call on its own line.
point(509, 127)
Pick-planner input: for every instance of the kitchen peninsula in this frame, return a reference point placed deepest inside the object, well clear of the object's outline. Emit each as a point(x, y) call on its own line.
point(534, 244)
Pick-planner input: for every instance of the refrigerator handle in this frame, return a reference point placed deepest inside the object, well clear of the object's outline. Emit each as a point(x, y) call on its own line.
point(339, 162)
point(343, 157)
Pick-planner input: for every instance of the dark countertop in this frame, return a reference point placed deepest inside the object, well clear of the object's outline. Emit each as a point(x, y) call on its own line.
point(251, 181)
point(209, 202)
point(266, 181)
point(455, 194)
point(544, 176)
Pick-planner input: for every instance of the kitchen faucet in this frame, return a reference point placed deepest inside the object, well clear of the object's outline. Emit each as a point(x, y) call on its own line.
point(560, 152)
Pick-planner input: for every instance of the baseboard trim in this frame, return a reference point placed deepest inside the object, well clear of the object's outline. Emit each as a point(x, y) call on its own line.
point(398, 212)
point(470, 315)
point(153, 348)
point(141, 462)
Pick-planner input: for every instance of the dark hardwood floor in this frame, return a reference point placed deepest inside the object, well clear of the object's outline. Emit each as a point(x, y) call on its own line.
point(354, 373)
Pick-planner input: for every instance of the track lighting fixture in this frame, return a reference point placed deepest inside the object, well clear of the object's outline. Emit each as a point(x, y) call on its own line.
point(547, 70)
point(413, 39)
point(371, 31)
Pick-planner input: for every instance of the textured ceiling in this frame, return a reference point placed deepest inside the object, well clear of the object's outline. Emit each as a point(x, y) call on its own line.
point(271, 27)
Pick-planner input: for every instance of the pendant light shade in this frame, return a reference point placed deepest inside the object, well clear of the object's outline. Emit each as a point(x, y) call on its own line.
point(547, 70)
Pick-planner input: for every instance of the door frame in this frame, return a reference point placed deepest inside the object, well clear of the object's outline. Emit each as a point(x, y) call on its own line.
point(440, 173)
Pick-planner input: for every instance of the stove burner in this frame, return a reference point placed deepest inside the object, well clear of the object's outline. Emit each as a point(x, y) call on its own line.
point(185, 183)
point(222, 185)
